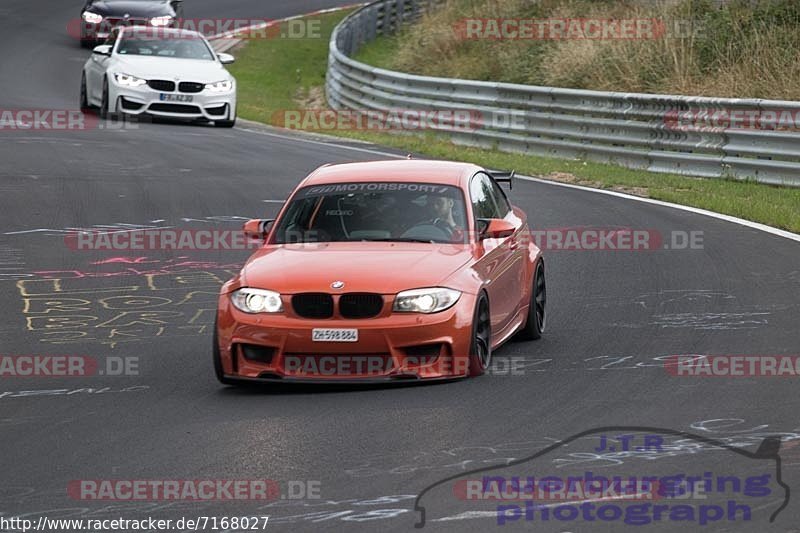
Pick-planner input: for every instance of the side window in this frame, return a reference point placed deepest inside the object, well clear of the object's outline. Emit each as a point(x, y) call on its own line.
point(500, 199)
point(482, 197)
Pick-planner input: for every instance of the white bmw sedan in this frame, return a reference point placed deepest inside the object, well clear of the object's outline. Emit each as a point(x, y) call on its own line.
point(159, 71)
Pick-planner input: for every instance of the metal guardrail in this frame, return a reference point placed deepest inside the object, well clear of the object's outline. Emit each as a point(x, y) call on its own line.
point(630, 129)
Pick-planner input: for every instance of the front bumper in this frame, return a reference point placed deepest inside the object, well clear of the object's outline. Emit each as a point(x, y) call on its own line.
point(145, 100)
point(398, 347)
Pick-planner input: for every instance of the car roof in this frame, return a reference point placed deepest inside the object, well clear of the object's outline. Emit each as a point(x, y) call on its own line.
point(396, 170)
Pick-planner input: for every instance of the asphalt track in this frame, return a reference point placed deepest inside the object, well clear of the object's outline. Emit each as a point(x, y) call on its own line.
point(371, 450)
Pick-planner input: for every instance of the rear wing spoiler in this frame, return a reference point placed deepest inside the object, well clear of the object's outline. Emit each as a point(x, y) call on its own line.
point(503, 176)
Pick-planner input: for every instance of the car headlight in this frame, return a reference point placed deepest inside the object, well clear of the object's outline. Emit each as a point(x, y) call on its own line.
point(161, 21)
point(129, 81)
point(92, 18)
point(430, 300)
point(257, 301)
point(220, 86)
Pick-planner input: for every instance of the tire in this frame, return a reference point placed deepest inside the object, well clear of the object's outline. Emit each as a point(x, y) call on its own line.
point(84, 99)
point(537, 311)
point(104, 105)
point(225, 123)
point(480, 351)
point(218, 371)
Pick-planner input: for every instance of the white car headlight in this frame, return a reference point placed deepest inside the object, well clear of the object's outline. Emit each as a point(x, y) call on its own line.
point(161, 21)
point(92, 18)
point(430, 300)
point(257, 301)
point(129, 81)
point(220, 86)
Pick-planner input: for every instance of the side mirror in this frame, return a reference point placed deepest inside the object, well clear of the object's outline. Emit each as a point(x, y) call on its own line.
point(226, 59)
point(495, 228)
point(102, 50)
point(256, 228)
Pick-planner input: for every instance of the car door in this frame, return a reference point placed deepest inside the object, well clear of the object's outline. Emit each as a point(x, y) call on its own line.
point(96, 70)
point(500, 260)
point(518, 272)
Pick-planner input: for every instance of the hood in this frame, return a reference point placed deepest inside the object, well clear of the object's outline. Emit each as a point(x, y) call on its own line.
point(386, 268)
point(169, 68)
point(134, 8)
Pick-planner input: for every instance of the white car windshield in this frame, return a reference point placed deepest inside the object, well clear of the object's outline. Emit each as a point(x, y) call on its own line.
point(177, 47)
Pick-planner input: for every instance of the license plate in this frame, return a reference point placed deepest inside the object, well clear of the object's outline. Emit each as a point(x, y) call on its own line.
point(176, 97)
point(334, 335)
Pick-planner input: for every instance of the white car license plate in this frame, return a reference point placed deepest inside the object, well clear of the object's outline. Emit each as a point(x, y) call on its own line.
point(176, 97)
point(334, 335)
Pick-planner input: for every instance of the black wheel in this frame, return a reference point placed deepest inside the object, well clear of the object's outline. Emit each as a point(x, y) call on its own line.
point(104, 104)
point(225, 123)
point(84, 98)
point(220, 373)
point(537, 312)
point(480, 353)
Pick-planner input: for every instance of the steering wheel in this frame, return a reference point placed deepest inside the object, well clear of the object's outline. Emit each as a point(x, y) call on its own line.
point(443, 225)
point(428, 230)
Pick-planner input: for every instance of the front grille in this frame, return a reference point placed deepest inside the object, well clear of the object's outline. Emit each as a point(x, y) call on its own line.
point(175, 108)
point(360, 305)
point(119, 21)
point(162, 85)
point(313, 305)
point(190, 87)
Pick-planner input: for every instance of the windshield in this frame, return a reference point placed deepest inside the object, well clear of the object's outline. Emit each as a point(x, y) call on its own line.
point(374, 211)
point(179, 47)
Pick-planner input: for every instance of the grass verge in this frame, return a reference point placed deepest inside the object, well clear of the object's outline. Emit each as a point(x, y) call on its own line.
point(735, 48)
point(276, 75)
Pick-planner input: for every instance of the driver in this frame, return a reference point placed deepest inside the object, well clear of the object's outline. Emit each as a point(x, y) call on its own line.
point(442, 210)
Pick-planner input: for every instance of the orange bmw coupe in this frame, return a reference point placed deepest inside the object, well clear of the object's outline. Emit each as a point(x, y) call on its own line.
point(382, 271)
